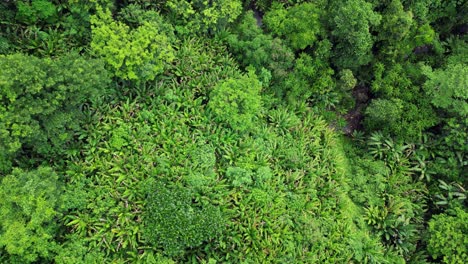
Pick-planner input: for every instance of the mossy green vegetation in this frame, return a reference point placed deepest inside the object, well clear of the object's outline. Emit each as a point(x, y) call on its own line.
point(207, 132)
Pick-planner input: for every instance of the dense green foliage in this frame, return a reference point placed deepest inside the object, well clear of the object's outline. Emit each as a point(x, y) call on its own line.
point(188, 131)
point(40, 104)
point(138, 54)
point(175, 224)
point(448, 237)
point(29, 207)
point(237, 101)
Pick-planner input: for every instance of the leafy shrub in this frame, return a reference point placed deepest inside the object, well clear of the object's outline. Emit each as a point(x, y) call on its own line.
point(237, 101)
point(450, 195)
point(283, 119)
point(384, 114)
point(263, 175)
point(299, 24)
point(74, 251)
point(29, 202)
point(200, 65)
point(139, 54)
point(447, 237)
point(30, 13)
point(394, 204)
point(448, 88)
point(175, 223)
point(311, 80)
point(346, 80)
point(201, 17)
point(266, 54)
point(240, 177)
point(395, 33)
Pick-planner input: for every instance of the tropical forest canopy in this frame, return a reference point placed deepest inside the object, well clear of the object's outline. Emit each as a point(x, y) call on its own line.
point(229, 131)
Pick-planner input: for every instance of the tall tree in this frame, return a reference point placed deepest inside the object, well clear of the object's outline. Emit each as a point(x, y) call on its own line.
point(299, 24)
point(394, 32)
point(202, 17)
point(351, 23)
point(40, 100)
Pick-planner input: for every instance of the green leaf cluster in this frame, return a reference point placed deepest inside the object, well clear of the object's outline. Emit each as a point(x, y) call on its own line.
point(237, 101)
point(447, 237)
point(299, 24)
point(203, 17)
point(138, 54)
point(351, 24)
point(40, 103)
point(268, 55)
point(29, 208)
point(175, 223)
point(36, 10)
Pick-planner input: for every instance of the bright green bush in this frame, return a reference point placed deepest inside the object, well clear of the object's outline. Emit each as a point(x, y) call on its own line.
point(29, 202)
point(346, 80)
point(139, 54)
point(299, 24)
point(240, 177)
point(384, 114)
point(448, 88)
point(395, 32)
point(201, 17)
point(36, 10)
point(237, 101)
point(209, 64)
point(401, 109)
point(271, 57)
point(447, 237)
